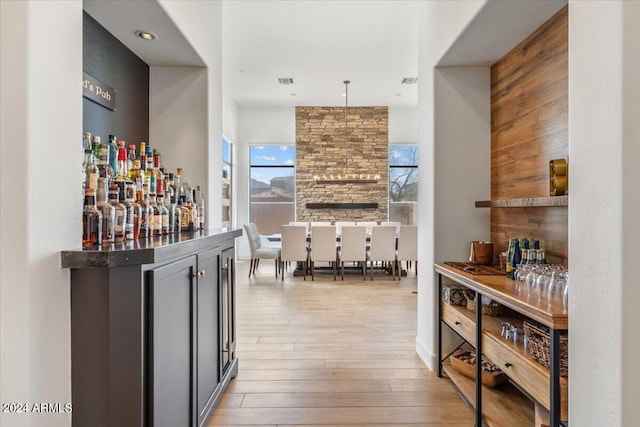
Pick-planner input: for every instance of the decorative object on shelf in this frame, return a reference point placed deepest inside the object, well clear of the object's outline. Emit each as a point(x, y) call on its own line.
point(489, 307)
point(476, 270)
point(558, 177)
point(539, 342)
point(465, 363)
point(481, 253)
point(348, 177)
point(453, 295)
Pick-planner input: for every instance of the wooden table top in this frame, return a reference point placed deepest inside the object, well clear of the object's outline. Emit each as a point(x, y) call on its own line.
point(503, 290)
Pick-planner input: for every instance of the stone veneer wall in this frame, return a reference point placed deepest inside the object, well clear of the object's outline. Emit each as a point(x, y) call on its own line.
point(320, 150)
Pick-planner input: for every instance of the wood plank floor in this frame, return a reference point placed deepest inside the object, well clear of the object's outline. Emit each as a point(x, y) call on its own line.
point(325, 353)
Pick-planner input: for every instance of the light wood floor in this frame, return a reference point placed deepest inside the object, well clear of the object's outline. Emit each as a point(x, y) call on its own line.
point(332, 353)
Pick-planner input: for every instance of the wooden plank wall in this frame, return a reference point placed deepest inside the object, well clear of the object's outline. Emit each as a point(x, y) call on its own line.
point(529, 127)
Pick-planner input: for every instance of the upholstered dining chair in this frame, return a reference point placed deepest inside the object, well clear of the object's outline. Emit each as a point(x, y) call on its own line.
point(353, 247)
point(407, 247)
point(294, 246)
point(383, 246)
point(368, 225)
point(323, 247)
point(259, 252)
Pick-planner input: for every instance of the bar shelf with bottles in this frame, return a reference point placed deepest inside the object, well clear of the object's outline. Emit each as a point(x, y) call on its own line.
point(130, 196)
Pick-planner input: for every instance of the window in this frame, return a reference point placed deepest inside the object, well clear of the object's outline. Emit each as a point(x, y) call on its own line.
point(403, 184)
point(272, 186)
point(227, 163)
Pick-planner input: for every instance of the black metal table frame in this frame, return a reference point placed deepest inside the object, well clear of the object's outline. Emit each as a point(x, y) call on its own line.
point(554, 361)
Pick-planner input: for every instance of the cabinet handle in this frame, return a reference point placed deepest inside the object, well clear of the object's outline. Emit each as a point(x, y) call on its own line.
point(507, 365)
point(457, 322)
point(201, 274)
point(198, 275)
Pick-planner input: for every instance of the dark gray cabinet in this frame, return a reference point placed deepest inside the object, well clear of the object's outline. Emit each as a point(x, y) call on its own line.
point(171, 345)
point(152, 330)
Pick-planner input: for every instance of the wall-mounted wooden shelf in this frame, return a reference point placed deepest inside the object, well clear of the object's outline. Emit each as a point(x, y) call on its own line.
point(527, 202)
point(341, 205)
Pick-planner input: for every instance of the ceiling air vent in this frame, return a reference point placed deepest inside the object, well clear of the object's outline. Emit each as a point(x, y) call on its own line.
point(409, 80)
point(285, 80)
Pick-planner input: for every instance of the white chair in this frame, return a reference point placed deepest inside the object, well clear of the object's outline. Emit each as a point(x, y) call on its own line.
point(306, 224)
point(396, 224)
point(353, 247)
point(383, 247)
point(294, 246)
point(259, 252)
point(368, 225)
point(340, 224)
point(323, 247)
point(407, 247)
point(320, 223)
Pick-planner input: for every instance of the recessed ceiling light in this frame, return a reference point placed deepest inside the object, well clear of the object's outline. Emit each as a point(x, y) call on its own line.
point(146, 35)
point(409, 80)
point(293, 94)
point(285, 80)
point(344, 94)
point(397, 94)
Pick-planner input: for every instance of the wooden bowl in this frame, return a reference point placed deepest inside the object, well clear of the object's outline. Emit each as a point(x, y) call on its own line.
point(490, 379)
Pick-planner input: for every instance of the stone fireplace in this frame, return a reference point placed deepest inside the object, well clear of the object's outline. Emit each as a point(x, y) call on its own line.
point(320, 150)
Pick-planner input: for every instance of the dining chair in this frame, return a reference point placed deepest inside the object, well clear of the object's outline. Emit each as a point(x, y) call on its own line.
point(259, 252)
point(340, 224)
point(407, 247)
point(368, 225)
point(396, 224)
point(383, 247)
point(353, 247)
point(306, 224)
point(323, 247)
point(320, 223)
point(294, 246)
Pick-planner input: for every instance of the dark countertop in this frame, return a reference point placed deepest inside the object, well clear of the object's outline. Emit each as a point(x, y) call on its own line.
point(147, 251)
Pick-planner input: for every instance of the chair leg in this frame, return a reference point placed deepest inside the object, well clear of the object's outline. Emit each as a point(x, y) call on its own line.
point(313, 271)
point(371, 270)
point(342, 270)
point(282, 270)
point(305, 270)
point(334, 270)
point(393, 269)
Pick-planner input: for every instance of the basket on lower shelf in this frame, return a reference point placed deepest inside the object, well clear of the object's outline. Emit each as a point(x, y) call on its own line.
point(491, 375)
point(539, 346)
point(491, 309)
point(453, 295)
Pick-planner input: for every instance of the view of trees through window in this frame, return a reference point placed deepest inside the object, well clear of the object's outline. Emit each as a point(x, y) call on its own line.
point(403, 184)
point(272, 186)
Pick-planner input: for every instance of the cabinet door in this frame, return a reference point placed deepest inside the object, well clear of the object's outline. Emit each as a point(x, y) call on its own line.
point(227, 309)
point(171, 344)
point(208, 372)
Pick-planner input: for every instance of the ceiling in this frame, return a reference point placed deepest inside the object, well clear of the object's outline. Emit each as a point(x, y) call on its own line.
point(319, 44)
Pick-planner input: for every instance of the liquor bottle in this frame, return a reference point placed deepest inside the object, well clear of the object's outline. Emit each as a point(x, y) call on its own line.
point(113, 153)
point(184, 214)
point(131, 156)
point(159, 176)
point(155, 217)
point(200, 203)
point(536, 244)
point(193, 212)
point(135, 173)
point(122, 177)
point(174, 215)
point(181, 184)
point(134, 211)
point(86, 141)
point(108, 213)
point(121, 213)
point(91, 220)
point(508, 268)
point(143, 156)
point(517, 256)
point(104, 166)
point(164, 212)
point(145, 212)
point(95, 146)
point(91, 171)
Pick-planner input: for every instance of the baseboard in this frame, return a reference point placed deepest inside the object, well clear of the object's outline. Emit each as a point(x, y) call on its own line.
point(429, 359)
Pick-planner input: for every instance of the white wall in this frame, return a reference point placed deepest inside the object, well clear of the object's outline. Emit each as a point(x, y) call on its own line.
point(604, 231)
point(403, 125)
point(41, 201)
point(440, 24)
point(201, 23)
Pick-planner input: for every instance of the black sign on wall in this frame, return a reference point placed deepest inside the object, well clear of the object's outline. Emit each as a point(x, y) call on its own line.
point(98, 92)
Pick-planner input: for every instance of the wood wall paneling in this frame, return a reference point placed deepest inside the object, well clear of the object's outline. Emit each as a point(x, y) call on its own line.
point(529, 127)
point(108, 60)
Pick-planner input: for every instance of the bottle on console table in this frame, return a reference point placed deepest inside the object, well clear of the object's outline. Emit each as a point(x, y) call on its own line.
point(91, 220)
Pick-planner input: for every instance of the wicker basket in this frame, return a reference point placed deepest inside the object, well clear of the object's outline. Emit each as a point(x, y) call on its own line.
point(491, 309)
point(453, 295)
point(490, 379)
point(539, 344)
